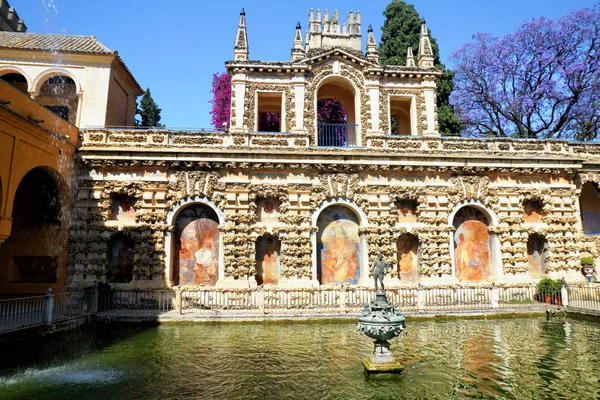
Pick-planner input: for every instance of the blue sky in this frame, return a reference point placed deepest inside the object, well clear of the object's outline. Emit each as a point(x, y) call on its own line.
point(174, 46)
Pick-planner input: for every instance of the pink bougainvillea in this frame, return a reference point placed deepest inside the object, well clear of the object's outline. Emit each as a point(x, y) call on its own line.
point(221, 101)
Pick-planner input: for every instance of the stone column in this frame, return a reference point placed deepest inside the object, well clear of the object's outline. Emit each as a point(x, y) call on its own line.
point(373, 88)
point(429, 94)
point(238, 83)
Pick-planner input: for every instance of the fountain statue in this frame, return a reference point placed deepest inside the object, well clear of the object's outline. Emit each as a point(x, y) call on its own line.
point(381, 322)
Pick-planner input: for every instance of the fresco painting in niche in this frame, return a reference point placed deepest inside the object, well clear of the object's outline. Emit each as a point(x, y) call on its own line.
point(536, 255)
point(407, 211)
point(120, 260)
point(407, 258)
point(268, 249)
point(268, 210)
point(122, 208)
point(198, 252)
point(532, 211)
point(338, 246)
point(471, 245)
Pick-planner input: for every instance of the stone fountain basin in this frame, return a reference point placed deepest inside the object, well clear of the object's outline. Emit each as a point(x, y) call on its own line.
point(381, 328)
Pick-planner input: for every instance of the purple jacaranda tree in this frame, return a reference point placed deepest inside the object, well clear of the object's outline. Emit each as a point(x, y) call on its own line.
point(542, 81)
point(221, 101)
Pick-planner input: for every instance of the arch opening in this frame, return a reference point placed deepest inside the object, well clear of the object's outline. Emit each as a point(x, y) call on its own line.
point(196, 246)
point(472, 245)
point(589, 205)
point(16, 80)
point(338, 246)
point(37, 200)
point(33, 251)
point(335, 94)
point(58, 93)
point(268, 251)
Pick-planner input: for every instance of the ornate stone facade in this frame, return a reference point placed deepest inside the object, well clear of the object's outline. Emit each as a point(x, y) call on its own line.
point(464, 209)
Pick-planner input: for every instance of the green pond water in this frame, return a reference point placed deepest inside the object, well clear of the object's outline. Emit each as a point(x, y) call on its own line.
point(521, 358)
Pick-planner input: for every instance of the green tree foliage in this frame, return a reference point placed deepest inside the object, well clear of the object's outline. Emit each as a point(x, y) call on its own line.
point(402, 26)
point(148, 111)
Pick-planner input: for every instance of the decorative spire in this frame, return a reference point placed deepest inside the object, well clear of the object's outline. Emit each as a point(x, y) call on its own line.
point(240, 47)
point(298, 48)
point(410, 58)
point(425, 52)
point(372, 54)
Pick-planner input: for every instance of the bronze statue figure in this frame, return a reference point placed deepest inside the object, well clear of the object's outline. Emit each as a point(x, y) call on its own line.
point(378, 271)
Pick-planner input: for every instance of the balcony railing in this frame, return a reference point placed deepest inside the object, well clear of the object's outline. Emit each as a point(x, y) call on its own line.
point(337, 135)
point(591, 222)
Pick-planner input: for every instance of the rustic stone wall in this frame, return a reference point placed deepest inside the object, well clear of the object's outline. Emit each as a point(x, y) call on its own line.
point(303, 189)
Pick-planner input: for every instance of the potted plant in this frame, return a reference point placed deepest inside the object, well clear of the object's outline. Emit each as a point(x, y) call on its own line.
point(549, 291)
point(587, 267)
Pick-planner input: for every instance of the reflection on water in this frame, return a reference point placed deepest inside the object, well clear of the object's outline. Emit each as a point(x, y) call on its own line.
point(506, 358)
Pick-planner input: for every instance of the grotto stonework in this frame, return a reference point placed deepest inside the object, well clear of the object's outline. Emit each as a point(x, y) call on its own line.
point(321, 215)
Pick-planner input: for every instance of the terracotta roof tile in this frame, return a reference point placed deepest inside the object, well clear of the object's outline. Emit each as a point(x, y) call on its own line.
point(52, 42)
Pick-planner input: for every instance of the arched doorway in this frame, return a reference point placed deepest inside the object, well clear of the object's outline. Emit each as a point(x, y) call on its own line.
point(34, 252)
point(16, 80)
point(268, 249)
point(58, 93)
point(338, 246)
point(472, 251)
point(196, 246)
point(338, 134)
point(590, 208)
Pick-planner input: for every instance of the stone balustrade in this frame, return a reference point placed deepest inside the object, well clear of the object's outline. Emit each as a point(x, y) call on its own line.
point(376, 143)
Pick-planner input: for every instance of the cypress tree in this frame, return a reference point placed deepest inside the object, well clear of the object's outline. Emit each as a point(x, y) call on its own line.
point(148, 111)
point(402, 26)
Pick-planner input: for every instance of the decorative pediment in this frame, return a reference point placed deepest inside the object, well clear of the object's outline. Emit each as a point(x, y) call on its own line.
point(335, 53)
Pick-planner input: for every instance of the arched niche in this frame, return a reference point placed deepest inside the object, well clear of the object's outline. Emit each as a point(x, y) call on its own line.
point(343, 91)
point(472, 244)
point(34, 252)
point(120, 259)
point(537, 250)
point(589, 204)
point(196, 245)
point(268, 210)
point(16, 79)
point(407, 210)
point(123, 207)
point(268, 251)
point(338, 246)
point(408, 258)
point(37, 200)
point(533, 210)
point(58, 93)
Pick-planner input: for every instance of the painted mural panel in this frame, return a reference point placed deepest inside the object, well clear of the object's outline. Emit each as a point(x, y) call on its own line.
point(532, 211)
point(407, 211)
point(268, 249)
point(338, 246)
point(536, 255)
point(122, 208)
point(120, 261)
point(197, 257)
point(268, 210)
point(407, 258)
point(471, 245)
